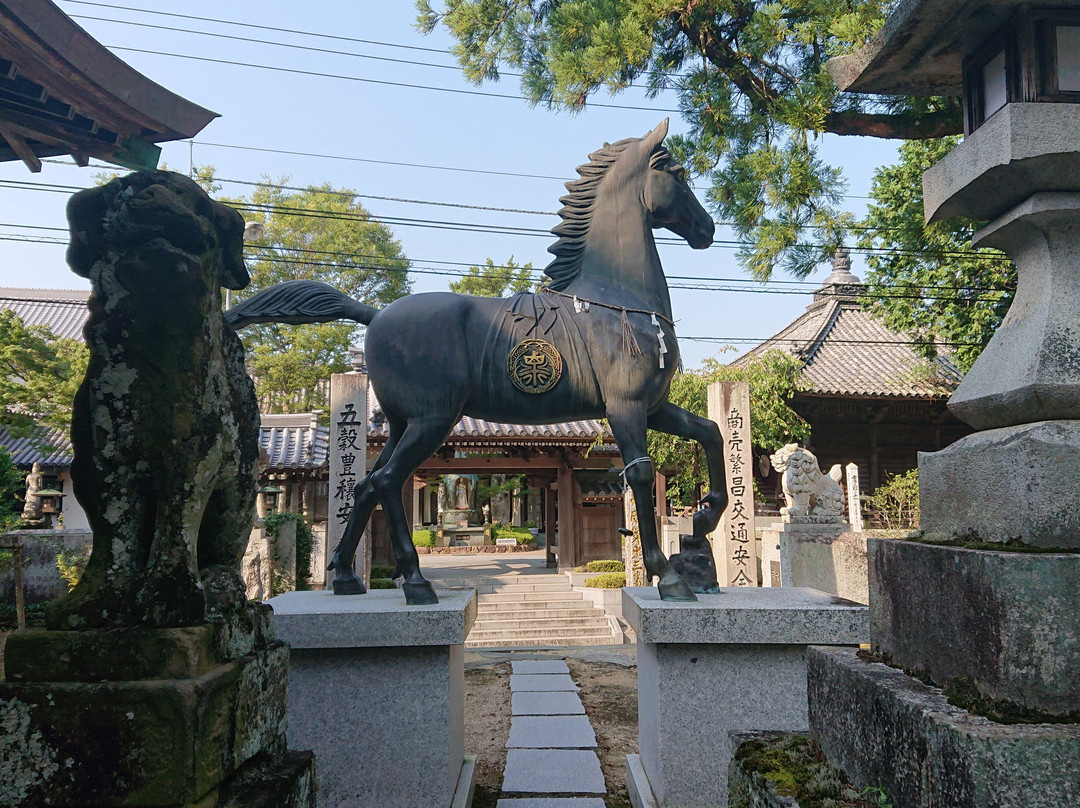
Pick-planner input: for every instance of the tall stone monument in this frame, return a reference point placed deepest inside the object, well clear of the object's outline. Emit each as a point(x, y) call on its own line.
point(348, 461)
point(983, 606)
point(157, 683)
point(733, 543)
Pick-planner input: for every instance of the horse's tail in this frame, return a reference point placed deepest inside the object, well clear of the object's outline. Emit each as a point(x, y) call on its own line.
point(299, 302)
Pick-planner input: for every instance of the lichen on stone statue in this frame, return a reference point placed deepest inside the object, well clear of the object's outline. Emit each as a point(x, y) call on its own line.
point(165, 424)
point(811, 496)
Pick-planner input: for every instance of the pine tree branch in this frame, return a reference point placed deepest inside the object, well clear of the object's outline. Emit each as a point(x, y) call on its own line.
point(905, 125)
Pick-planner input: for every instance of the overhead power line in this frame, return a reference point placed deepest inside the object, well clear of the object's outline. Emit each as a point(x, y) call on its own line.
point(382, 82)
point(497, 229)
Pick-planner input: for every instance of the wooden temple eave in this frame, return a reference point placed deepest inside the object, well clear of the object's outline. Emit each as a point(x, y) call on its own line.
point(61, 92)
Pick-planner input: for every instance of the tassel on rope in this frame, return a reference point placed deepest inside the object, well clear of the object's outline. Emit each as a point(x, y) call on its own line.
point(629, 340)
point(660, 339)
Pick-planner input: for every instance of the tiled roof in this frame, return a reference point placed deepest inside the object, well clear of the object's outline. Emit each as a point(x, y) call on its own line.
point(294, 441)
point(24, 451)
point(476, 430)
point(600, 484)
point(847, 352)
point(62, 310)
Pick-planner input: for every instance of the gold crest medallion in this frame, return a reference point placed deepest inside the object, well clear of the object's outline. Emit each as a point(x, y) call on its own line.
point(534, 366)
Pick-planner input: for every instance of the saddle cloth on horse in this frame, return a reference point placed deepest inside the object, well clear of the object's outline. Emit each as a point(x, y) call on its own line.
point(538, 316)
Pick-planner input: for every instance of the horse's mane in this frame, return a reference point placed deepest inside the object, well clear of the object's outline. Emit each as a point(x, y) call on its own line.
point(577, 212)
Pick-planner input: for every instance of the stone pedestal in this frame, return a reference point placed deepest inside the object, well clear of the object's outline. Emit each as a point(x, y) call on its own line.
point(377, 692)
point(1013, 627)
point(887, 729)
point(731, 661)
point(1013, 483)
point(827, 557)
point(148, 717)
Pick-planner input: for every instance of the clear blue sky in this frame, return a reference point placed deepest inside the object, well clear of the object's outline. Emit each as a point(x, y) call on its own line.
point(333, 105)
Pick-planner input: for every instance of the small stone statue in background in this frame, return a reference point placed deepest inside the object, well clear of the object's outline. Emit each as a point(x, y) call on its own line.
point(811, 495)
point(32, 513)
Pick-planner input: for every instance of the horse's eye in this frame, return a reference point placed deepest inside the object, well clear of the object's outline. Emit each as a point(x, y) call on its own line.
point(679, 172)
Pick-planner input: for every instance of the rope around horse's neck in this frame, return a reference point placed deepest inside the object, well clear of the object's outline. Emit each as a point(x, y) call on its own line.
point(549, 291)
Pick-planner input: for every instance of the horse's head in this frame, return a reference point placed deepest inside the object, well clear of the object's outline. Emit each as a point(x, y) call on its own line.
point(668, 198)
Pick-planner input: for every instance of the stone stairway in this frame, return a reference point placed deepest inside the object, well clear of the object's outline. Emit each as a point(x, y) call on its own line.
point(536, 611)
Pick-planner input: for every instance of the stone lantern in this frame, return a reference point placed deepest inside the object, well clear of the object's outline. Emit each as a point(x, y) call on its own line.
point(1018, 71)
point(987, 601)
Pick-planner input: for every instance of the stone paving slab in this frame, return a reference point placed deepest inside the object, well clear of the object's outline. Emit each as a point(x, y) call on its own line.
point(546, 703)
point(551, 802)
point(549, 682)
point(551, 732)
point(553, 771)
point(540, 666)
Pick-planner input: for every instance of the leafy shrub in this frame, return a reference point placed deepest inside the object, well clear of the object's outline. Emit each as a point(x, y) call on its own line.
point(305, 541)
point(521, 534)
point(382, 583)
point(607, 565)
point(71, 563)
point(607, 580)
point(529, 523)
point(423, 538)
point(382, 571)
point(896, 502)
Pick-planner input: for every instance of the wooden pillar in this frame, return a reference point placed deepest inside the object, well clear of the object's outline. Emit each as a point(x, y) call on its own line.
point(568, 551)
point(661, 495)
point(550, 518)
point(875, 471)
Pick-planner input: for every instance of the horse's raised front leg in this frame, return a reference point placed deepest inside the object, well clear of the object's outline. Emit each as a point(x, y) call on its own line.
point(629, 428)
point(676, 421)
point(420, 439)
point(346, 581)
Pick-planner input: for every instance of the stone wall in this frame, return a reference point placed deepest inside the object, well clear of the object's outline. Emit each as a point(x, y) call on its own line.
point(41, 578)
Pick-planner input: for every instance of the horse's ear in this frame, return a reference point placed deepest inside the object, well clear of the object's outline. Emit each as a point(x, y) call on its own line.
point(657, 135)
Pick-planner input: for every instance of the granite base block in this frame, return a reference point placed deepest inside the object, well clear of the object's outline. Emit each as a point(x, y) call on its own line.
point(731, 661)
point(829, 558)
point(1013, 625)
point(887, 729)
point(285, 782)
point(1017, 482)
point(154, 742)
point(385, 721)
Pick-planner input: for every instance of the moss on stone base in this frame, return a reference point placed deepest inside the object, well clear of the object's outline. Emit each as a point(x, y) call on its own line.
point(796, 768)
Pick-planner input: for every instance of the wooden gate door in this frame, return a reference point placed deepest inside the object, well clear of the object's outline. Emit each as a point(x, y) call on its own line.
point(598, 532)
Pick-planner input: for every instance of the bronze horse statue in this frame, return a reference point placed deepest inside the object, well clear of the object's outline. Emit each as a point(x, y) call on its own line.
point(597, 341)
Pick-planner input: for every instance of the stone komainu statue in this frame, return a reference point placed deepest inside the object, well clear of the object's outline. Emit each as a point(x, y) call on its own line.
point(165, 425)
point(810, 494)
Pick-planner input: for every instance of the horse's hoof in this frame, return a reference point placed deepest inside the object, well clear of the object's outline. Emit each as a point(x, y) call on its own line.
point(421, 593)
point(674, 589)
point(348, 586)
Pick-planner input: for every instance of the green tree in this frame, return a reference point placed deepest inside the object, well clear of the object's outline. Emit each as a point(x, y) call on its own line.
point(773, 378)
point(495, 280)
point(11, 490)
point(751, 83)
point(316, 233)
point(924, 279)
point(39, 375)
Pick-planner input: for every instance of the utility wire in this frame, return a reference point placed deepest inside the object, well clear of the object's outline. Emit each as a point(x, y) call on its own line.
point(383, 82)
point(675, 281)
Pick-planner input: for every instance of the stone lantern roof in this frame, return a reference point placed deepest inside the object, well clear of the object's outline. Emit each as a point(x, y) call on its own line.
point(921, 48)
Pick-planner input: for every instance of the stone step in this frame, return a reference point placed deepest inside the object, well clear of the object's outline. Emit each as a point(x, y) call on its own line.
point(544, 642)
point(520, 612)
point(501, 597)
point(563, 586)
point(596, 620)
point(534, 633)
